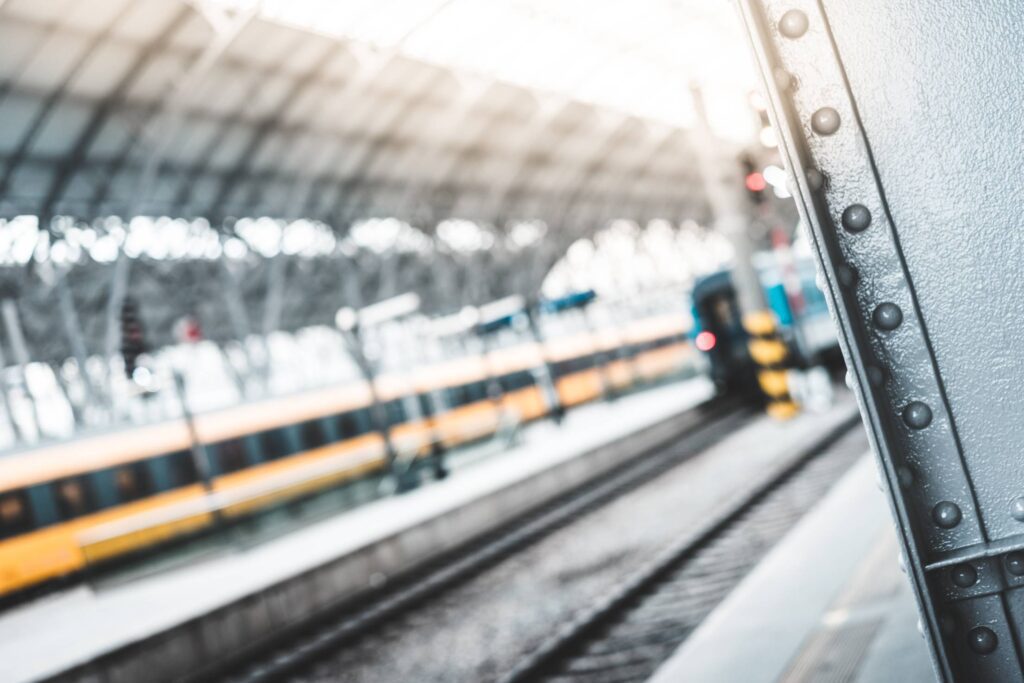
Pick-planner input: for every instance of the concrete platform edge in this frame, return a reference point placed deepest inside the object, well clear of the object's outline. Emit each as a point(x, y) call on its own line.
point(746, 638)
point(186, 649)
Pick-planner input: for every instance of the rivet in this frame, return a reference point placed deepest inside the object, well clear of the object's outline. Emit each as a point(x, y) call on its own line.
point(825, 121)
point(1015, 563)
point(946, 514)
point(856, 217)
point(784, 79)
point(920, 627)
point(793, 24)
point(982, 640)
point(917, 415)
point(847, 275)
point(875, 375)
point(905, 476)
point(1017, 509)
point(815, 180)
point(887, 316)
point(963, 575)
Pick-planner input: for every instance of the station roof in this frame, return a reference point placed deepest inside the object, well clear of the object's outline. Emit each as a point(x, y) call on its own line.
point(216, 109)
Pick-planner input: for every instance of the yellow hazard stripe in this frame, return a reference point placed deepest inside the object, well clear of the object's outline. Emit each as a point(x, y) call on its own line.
point(773, 383)
point(782, 410)
point(767, 351)
point(759, 323)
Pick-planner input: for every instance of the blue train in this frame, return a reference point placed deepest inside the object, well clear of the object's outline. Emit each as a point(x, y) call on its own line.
point(802, 317)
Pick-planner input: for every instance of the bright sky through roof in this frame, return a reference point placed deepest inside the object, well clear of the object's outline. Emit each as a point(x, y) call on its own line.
point(637, 56)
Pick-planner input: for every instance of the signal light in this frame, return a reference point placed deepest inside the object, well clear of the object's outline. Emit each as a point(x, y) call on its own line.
point(753, 179)
point(755, 182)
point(133, 343)
point(705, 341)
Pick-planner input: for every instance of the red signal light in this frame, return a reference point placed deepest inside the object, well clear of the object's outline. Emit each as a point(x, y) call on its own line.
point(705, 341)
point(755, 182)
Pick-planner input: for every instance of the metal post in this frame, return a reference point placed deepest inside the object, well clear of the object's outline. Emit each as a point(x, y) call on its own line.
point(239, 319)
point(12, 323)
point(429, 407)
point(200, 456)
point(495, 392)
point(404, 478)
point(724, 189)
point(73, 328)
point(601, 357)
point(547, 374)
point(5, 401)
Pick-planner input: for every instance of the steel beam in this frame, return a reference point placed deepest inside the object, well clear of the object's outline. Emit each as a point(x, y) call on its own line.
point(900, 124)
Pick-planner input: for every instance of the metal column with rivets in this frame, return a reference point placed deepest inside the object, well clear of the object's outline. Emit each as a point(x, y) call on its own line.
point(902, 125)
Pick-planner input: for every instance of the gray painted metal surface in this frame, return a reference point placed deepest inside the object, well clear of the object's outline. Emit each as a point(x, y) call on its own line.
point(902, 126)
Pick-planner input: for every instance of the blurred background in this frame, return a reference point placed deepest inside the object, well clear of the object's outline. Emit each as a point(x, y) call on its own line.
point(266, 262)
point(237, 172)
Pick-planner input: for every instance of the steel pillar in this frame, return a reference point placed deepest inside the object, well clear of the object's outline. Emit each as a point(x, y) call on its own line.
point(900, 124)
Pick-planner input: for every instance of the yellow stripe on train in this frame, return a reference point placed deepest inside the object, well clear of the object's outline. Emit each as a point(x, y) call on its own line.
point(67, 547)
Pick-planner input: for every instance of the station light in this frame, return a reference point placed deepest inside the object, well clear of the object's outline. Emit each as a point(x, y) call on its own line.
point(753, 179)
point(705, 341)
point(133, 343)
point(755, 182)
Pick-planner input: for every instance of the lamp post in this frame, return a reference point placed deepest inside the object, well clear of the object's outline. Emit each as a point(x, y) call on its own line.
point(352, 324)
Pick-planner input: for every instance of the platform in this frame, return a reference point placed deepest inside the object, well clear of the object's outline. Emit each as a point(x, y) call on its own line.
point(827, 605)
point(76, 626)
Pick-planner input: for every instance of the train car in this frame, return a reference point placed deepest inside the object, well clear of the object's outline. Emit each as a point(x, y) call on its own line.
point(800, 310)
point(68, 506)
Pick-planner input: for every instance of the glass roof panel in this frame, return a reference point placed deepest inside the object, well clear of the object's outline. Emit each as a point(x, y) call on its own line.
point(638, 57)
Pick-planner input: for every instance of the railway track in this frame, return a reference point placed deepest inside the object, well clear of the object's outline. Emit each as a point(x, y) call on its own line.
point(639, 625)
point(292, 652)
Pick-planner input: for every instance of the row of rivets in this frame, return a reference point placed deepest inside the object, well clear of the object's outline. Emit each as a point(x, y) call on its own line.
point(966, 575)
point(887, 317)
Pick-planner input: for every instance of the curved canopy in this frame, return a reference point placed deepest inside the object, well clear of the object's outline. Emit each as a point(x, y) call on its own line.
point(194, 109)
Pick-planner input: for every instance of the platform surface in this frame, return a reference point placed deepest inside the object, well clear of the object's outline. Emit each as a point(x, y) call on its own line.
point(74, 626)
point(827, 605)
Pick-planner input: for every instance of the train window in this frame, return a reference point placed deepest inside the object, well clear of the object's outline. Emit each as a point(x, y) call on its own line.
point(347, 425)
point(231, 455)
point(475, 391)
point(275, 443)
point(456, 396)
point(523, 379)
point(74, 498)
point(15, 514)
point(395, 411)
point(182, 469)
point(132, 482)
point(426, 404)
point(363, 423)
point(312, 434)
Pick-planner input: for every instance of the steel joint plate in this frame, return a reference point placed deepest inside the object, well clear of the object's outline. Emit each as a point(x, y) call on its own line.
point(902, 125)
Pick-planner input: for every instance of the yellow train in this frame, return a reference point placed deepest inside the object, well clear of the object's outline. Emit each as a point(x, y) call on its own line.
point(70, 505)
